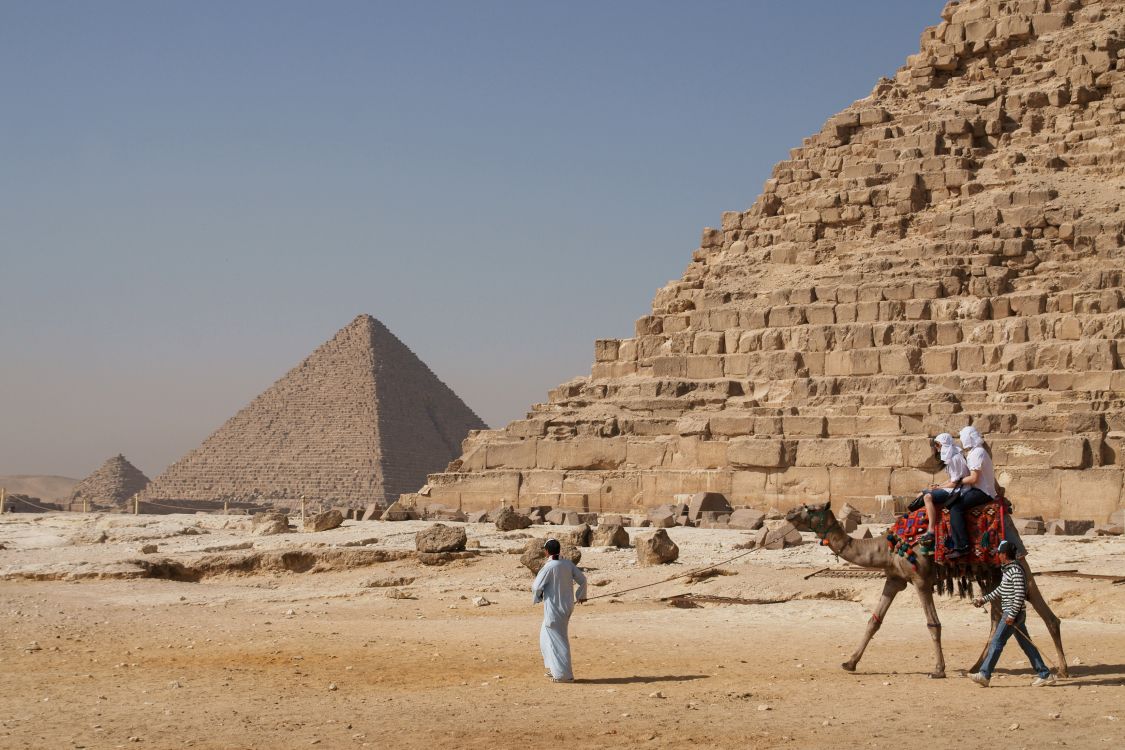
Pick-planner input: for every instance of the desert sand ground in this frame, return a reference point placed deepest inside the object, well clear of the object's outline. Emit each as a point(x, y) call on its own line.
point(92, 658)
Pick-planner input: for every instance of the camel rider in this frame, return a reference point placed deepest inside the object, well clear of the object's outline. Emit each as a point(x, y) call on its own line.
point(938, 494)
point(1012, 593)
point(977, 488)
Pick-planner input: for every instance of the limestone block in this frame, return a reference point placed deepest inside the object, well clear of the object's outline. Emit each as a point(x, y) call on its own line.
point(1029, 526)
point(656, 549)
point(732, 424)
point(441, 538)
point(329, 519)
point(849, 517)
point(879, 452)
point(1068, 527)
point(513, 455)
point(797, 426)
point(826, 452)
point(1090, 493)
point(533, 557)
point(858, 485)
point(708, 342)
point(646, 454)
point(703, 367)
point(610, 535)
point(751, 452)
point(746, 518)
point(713, 502)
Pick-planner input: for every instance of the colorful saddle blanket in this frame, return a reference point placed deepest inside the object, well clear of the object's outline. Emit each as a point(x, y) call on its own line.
point(985, 527)
point(984, 524)
point(906, 531)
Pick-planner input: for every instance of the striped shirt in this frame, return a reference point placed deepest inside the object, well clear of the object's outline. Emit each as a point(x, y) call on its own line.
point(1011, 591)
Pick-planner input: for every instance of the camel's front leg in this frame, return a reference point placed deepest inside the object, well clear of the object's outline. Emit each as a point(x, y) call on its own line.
point(996, 612)
point(1035, 597)
point(890, 589)
point(926, 596)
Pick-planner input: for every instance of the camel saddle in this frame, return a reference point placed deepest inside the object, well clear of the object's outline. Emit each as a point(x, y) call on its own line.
point(984, 524)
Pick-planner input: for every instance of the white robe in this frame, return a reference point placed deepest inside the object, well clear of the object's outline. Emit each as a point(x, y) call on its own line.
point(554, 586)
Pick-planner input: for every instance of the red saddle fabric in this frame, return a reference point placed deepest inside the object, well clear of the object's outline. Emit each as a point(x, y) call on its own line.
point(985, 527)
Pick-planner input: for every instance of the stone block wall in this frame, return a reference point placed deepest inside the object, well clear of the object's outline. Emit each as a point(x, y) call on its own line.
point(949, 250)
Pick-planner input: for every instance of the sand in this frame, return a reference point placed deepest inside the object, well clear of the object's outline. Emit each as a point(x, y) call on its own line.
point(287, 659)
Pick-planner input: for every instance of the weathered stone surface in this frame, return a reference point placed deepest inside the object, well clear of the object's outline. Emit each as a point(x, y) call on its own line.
point(579, 536)
point(533, 557)
point(326, 521)
point(272, 522)
point(398, 511)
point(849, 517)
point(1068, 527)
point(656, 549)
point(441, 538)
point(610, 535)
point(702, 502)
point(441, 558)
point(507, 519)
point(746, 518)
point(1029, 526)
point(778, 540)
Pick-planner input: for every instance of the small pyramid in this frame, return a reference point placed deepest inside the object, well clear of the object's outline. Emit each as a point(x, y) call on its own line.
point(361, 420)
point(115, 482)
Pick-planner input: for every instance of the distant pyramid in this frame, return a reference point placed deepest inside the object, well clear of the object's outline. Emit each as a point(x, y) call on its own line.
point(115, 482)
point(361, 420)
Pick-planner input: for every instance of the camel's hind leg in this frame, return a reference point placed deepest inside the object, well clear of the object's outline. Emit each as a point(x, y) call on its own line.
point(890, 589)
point(1050, 619)
point(926, 596)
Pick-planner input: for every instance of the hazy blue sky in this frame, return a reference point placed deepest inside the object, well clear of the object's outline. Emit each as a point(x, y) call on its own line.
point(195, 195)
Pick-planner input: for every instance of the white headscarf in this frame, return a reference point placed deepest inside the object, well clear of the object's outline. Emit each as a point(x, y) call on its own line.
point(970, 438)
point(949, 449)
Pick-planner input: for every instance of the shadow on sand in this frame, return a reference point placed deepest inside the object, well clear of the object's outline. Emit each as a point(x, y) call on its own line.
point(641, 679)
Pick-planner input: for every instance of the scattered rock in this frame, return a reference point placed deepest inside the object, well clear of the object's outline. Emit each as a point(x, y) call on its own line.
point(508, 520)
point(610, 535)
point(701, 502)
point(533, 558)
point(149, 549)
point(387, 582)
point(398, 594)
point(326, 521)
point(657, 549)
point(746, 518)
point(480, 601)
point(269, 523)
point(441, 538)
point(441, 558)
point(332, 686)
point(580, 536)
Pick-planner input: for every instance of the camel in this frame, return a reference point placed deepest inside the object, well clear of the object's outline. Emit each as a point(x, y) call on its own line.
point(878, 555)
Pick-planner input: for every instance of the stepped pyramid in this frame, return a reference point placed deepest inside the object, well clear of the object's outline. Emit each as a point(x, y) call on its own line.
point(946, 251)
point(361, 420)
point(113, 484)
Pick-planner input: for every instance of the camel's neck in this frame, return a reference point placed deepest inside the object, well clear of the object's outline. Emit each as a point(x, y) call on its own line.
point(867, 553)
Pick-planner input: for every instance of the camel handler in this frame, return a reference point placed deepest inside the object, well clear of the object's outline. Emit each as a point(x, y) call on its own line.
point(554, 586)
point(1012, 592)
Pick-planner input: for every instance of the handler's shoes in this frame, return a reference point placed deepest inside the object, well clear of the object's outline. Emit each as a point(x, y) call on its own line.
point(1044, 681)
point(979, 679)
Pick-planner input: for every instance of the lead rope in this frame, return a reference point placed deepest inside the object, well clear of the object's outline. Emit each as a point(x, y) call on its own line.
point(785, 529)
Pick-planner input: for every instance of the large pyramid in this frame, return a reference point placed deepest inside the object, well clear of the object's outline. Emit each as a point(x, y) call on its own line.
point(113, 484)
point(947, 250)
point(361, 420)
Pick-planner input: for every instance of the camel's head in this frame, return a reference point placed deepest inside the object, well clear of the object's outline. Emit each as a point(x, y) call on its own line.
point(811, 517)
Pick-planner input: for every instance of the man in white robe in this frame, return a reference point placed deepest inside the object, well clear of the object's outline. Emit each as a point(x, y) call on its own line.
point(554, 586)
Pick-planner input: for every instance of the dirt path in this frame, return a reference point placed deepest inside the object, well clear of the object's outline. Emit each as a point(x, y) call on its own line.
point(250, 662)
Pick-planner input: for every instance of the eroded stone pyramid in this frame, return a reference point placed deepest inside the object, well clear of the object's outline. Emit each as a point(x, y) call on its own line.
point(361, 420)
point(114, 483)
point(946, 251)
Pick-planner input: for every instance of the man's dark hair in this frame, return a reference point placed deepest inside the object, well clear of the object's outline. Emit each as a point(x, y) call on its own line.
point(553, 547)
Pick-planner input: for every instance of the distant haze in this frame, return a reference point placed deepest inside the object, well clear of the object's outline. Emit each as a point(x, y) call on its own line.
point(197, 195)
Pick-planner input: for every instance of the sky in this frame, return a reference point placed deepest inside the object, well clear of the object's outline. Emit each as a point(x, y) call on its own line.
point(195, 195)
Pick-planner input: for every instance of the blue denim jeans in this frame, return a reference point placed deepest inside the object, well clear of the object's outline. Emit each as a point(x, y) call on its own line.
point(1004, 631)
